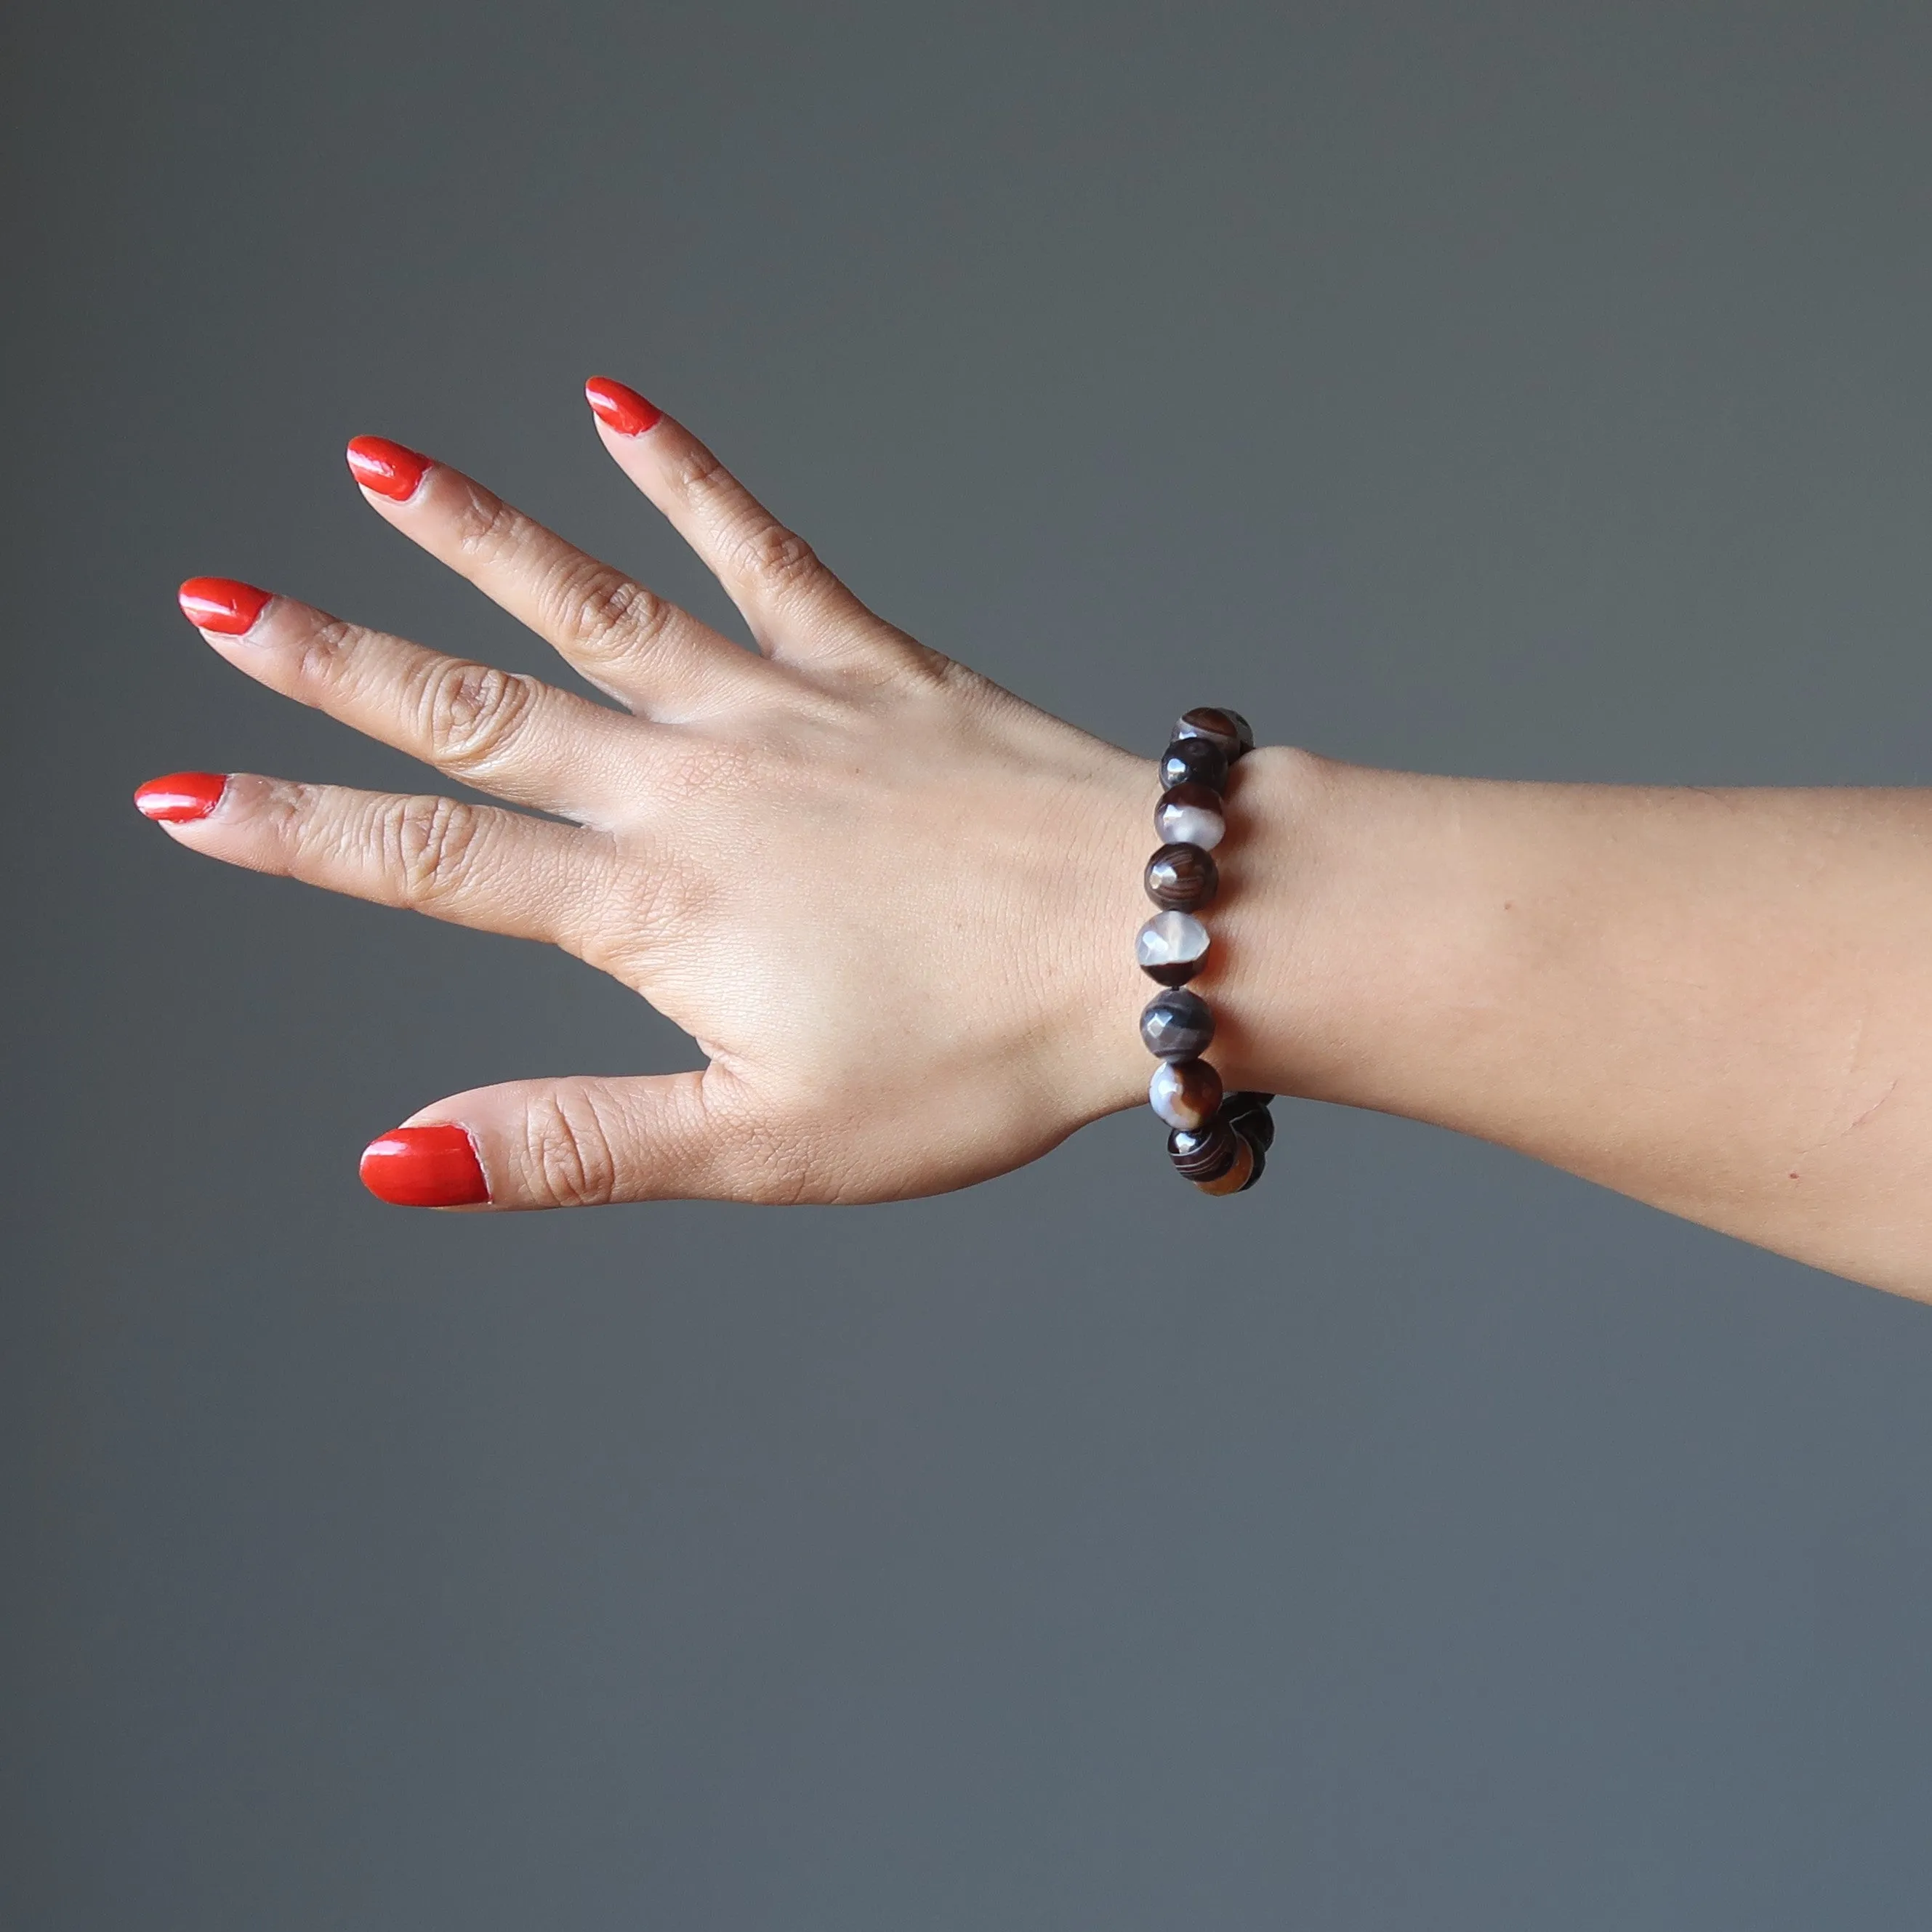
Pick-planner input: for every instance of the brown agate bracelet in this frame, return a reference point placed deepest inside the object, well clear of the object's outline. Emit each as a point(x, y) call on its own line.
point(1219, 1140)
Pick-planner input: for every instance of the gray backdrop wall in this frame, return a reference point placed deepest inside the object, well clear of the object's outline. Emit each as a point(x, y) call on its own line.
point(1430, 1540)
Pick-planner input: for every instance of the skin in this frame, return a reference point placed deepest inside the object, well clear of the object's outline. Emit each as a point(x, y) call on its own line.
point(895, 905)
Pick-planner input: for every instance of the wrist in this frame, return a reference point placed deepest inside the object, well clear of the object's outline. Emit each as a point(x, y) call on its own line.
point(1273, 919)
point(1268, 924)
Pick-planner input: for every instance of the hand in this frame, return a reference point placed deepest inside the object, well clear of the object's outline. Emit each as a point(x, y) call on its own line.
point(892, 904)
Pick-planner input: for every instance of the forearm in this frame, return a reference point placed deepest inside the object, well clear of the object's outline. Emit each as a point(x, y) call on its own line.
point(1718, 1002)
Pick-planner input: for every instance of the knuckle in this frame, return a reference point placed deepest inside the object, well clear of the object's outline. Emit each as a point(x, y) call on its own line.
point(918, 668)
point(282, 815)
point(699, 473)
point(324, 649)
point(707, 771)
point(569, 1151)
point(427, 845)
point(639, 910)
point(471, 712)
point(775, 556)
point(487, 527)
point(593, 610)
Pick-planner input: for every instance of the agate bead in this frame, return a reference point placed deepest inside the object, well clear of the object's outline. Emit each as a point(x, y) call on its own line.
point(1177, 1025)
point(1219, 726)
point(1181, 877)
point(1248, 1113)
point(1194, 761)
point(1184, 1092)
point(1171, 947)
point(1241, 1173)
point(1190, 814)
point(1203, 1153)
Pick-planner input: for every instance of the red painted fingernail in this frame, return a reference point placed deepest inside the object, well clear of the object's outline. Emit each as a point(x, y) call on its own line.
point(624, 409)
point(180, 795)
point(387, 467)
point(424, 1167)
point(221, 603)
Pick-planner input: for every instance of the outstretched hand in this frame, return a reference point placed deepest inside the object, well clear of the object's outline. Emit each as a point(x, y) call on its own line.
point(892, 903)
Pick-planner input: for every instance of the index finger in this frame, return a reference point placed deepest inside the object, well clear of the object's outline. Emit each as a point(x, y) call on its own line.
point(797, 609)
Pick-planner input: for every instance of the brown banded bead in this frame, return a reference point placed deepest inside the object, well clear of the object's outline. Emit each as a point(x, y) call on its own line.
point(1241, 1173)
point(1249, 1112)
point(1177, 1025)
point(1194, 761)
point(1202, 1154)
point(1181, 877)
point(1170, 948)
point(1219, 726)
point(1185, 1093)
point(1190, 814)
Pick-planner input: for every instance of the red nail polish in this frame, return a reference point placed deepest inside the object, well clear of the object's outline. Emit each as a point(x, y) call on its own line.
point(221, 603)
point(180, 795)
point(624, 409)
point(424, 1167)
point(387, 467)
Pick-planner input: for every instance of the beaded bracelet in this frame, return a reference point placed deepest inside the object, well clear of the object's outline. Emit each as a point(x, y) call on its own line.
point(1219, 1140)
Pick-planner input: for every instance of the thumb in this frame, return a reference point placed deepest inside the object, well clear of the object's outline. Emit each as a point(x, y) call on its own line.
point(577, 1142)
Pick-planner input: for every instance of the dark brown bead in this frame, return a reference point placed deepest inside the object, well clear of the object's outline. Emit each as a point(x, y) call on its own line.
point(1177, 1025)
point(1227, 729)
point(1177, 973)
point(1194, 761)
point(1249, 1112)
point(1202, 1154)
point(1181, 878)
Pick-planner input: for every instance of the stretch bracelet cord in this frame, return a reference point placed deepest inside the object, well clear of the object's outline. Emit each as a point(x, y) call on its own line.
point(1217, 1140)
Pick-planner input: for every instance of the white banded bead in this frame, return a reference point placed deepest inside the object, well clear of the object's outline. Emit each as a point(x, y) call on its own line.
point(1170, 947)
point(1190, 825)
point(1184, 1092)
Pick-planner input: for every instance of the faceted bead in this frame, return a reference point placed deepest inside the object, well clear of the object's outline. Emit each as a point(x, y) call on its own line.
point(1184, 1092)
point(1203, 1153)
point(1227, 729)
point(1190, 814)
point(1181, 878)
point(1240, 1172)
point(1194, 761)
point(1177, 1025)
point(1250, 1113)
point(1171, 947)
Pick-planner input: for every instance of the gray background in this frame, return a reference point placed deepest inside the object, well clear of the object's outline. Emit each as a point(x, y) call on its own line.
point(1425, 1540)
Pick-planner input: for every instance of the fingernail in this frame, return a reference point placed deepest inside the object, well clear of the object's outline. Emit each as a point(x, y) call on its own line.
point(624, 409)
point(424, 1167)
point(387, 467)
point(180, 795)
point(221, 603)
